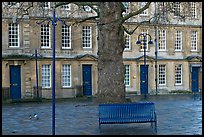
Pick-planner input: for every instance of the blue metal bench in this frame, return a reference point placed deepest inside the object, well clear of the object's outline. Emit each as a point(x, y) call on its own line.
point(140, 112)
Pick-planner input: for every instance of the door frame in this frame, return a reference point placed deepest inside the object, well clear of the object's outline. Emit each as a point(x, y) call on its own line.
point(89, 80)
point(143, 83)
point(195, 78)
point(15, 94)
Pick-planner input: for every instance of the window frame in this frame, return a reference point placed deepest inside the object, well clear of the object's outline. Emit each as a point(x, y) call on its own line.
point(177, 9)
point(163, 40)
point(66, 7)
point(162, 80)
point(16, 34)
point(68, 77)
point(42, 37)
point(194, 41)
point(84, 36)
point(178, 44)
point(66, 37)
point(86, 8)
point(178, 76)
point(47, 7)
point(127, 76)
point(127, 42)
point(193, 10)
point(145, 12)
point(127, 7)
point(48, 74)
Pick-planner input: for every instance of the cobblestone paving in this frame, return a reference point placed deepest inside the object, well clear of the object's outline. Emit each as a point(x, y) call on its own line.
point(177, 115)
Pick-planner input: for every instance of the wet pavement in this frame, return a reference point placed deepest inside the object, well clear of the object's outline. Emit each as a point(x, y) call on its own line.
point(176, 115)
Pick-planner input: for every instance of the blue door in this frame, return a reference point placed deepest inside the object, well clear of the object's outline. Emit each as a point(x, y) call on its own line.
point(87, 80)
point(194, 79)
point(143, 79)
point(15, 82)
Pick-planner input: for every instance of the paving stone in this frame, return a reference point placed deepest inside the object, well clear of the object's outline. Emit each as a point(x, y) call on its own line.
point(177, 115)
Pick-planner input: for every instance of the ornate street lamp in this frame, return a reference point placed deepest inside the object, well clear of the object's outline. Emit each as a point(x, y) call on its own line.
point(143, 38)
point(54, 20)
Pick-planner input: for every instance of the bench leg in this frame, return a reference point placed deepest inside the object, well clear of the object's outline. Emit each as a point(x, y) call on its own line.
point(155, 124)
point(152, 124)
point(99, 127)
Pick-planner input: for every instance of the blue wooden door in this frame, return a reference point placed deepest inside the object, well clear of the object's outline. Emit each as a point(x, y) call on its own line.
point(194, 79)
point(87, 80)
point(143, 79)
point(15, 82)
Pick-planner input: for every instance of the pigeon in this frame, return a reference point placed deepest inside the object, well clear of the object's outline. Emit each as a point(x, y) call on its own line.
point(30, 116)
point(35, 116)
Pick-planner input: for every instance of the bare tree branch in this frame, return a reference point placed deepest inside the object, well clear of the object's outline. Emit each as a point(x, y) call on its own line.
point(90, 4)
point(131, 32)
point(136, 12)
point(61, 3)
point(85, 19)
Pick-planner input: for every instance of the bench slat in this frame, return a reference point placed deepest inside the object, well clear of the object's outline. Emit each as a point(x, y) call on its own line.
point(139, 112)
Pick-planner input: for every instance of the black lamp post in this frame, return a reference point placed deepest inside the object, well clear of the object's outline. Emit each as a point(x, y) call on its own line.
point(37, 55)
point(143, 38)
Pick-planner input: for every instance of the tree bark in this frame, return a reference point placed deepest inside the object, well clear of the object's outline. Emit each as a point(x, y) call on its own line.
point(111, 88)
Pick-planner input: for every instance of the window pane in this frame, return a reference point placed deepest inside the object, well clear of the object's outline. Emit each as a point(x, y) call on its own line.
point(46, 79)
point(178, 74)
point(178, 41)
point(162, 39)
point(13, 35)
point(127, 75)
point(66, 37)
point(45, 36)
point(162, 74)
point(66, 75)
point(127, 41)
point(86, 37)
point(193, 40)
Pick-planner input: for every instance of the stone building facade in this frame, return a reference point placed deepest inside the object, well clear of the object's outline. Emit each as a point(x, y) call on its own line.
point(179, 53)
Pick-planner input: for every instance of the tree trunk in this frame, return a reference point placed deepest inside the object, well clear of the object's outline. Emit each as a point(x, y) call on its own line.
point(111, 86)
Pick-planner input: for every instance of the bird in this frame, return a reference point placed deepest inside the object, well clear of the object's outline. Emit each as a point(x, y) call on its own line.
point(35, 116)
point(30, 116)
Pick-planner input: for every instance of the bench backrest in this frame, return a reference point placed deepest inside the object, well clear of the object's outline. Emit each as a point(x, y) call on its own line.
point(127, 110)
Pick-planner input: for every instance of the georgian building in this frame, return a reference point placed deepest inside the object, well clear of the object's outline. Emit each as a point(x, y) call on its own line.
point(174, 61)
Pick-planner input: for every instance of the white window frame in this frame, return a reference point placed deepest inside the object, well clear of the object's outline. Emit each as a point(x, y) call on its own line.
point(46, 76)
point(162, 74)
point(193, 10)
point(127, 41)
point(178, 74)
point(66, 36)
point(86, 37)
point(161, 40)
point(161, 9)
point(86, 8)
point(145, 12)
point(66, 7)
point(177, 8)
point(66, 76)
point(127, 7)
point(178, 41)
point(43, 37)
point(127, 75)
point(12, 27)
point(46, 7)
point(194, 40)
